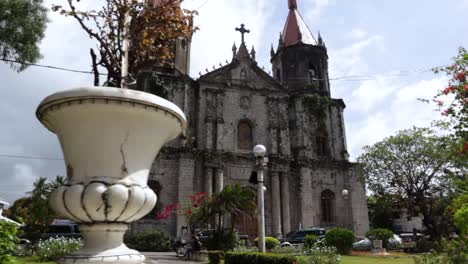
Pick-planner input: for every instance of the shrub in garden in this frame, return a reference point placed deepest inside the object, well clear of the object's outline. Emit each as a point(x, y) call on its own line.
point(380, 234)
point(216, 256)
point(55, 248)
point(340, 238)
point(8, 241)
point(270, 243)
point(310, 240)
point(457, 250)
point(149, 241)
point(222, 240)
point(258, 258)
point(320, 254)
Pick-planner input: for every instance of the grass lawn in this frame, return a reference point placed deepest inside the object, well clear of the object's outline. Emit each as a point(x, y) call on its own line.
point(31, 260)
point(376, 260)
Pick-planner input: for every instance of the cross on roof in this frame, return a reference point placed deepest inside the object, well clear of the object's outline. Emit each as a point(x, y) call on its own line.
point(242, 30)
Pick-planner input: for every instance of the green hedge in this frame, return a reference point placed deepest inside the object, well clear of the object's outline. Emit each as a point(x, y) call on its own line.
point(257, 258)
point(340, 238)
point(215, 256)
point(148, 241)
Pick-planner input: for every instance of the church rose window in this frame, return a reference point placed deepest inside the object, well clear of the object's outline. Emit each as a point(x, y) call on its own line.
point(327, 204)
point(245, 135)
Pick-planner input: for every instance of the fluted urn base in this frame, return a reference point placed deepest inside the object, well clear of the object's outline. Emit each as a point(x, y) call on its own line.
point(104, 244)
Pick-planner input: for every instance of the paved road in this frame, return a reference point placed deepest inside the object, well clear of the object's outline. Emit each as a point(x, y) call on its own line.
point(165, 258)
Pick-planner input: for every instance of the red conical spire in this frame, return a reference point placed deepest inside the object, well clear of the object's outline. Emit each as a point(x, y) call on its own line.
point(295, 30)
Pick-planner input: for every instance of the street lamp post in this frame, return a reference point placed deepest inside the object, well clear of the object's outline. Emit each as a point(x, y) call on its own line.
point(261, 161)
point(345, 194)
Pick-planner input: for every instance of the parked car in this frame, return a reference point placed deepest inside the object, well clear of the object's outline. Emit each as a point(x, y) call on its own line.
point(365, 244)
point(62, 228)
point(409, 240)
point(299, 236)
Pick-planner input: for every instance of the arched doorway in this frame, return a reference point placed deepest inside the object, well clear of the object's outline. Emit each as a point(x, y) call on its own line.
point(327, 202)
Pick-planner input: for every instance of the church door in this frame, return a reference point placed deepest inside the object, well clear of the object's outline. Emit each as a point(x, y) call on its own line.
point(247, 225)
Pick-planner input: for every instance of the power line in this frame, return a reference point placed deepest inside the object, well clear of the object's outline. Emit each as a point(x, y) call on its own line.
point(28, 157)
point(349, 78)
point(49, 67)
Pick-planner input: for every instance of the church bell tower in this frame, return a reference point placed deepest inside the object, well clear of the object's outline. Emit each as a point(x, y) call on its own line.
point(300, 62)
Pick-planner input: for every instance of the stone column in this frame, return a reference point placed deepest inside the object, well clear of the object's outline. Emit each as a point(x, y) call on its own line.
point(274, 140)
point(307, 212)
point(219, 179)
point(209, 180)
point(285, 203)
point(219, 133)
point(276, 203)
point(209, 133)
point(185, 185)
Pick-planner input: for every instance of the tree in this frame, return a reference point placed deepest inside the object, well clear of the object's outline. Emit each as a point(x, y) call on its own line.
point(382, 209)
point(412, 166)
point(154, 28)
point(453, 100)
point(22, 26)
point(233, 201)
point(34, 212)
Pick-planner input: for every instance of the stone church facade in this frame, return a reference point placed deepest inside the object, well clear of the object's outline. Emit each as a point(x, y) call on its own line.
point(239, 105)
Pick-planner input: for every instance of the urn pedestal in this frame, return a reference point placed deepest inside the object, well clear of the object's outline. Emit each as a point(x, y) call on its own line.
point(109, 138)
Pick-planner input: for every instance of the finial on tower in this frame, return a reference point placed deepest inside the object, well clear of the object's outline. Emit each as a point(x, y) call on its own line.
point(292, 4)
point(234, 50)
point(253, 52)
point(272, 51)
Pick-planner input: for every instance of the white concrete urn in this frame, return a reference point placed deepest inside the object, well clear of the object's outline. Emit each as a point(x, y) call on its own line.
point(109, 138)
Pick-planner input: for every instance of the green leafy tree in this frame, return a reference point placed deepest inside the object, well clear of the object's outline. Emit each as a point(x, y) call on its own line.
point(412, 166)
point(34, 211)
point(8, 241)
point(382, 209)
point(22, 26)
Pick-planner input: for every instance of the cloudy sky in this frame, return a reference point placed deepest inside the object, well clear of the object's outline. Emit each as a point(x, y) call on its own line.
point(392, 43)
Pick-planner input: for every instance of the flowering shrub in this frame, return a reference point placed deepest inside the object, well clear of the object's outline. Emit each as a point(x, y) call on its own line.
point(453, 100)
point(55, 248)
point(320, 254)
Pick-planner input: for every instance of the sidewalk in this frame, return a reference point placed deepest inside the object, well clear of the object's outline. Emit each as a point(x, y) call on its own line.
point(165, 258)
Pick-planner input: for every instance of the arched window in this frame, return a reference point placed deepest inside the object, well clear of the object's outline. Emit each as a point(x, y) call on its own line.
point(245, 136)
point(243, 75)
point(321, 141)
point(327, 201)
point(278, 75)
point(313, 76)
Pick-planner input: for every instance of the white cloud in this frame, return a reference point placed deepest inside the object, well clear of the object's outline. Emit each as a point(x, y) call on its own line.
point(217, 21)
point(395, 109)
point(351, 60)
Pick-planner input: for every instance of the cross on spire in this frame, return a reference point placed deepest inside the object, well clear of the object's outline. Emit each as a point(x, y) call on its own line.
point(242, 30)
